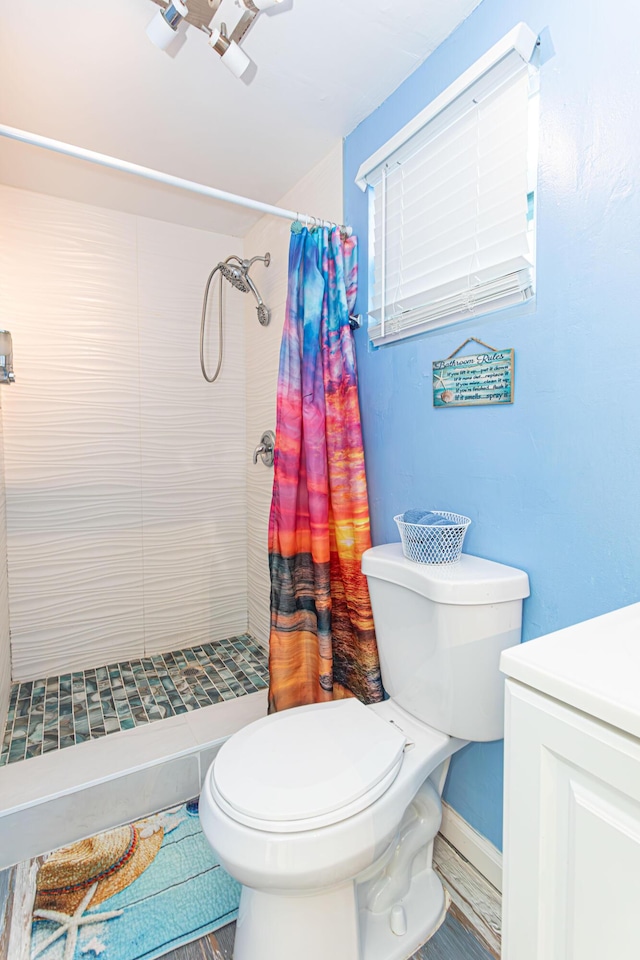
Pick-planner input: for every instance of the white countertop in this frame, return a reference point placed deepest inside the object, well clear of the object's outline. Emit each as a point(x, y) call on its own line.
point(593, 666)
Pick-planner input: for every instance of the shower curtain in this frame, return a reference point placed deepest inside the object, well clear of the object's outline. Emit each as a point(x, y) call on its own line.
point(322, 640)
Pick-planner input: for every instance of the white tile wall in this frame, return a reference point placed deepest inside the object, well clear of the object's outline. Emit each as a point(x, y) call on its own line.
point(5, 651)
point(135, 517)
point(193, 443)
point(125, 472)
point(318, 194)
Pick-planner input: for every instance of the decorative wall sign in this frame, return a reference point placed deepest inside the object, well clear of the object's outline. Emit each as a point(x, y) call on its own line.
point(473, 379)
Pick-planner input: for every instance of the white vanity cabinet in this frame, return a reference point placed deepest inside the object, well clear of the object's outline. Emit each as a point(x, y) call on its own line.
point(571, 885)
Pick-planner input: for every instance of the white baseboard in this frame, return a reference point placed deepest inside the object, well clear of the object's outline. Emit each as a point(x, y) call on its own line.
point(486, 858)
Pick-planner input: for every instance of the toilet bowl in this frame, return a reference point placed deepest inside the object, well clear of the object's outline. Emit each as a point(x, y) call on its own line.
point(306, 863)
point(326, 813)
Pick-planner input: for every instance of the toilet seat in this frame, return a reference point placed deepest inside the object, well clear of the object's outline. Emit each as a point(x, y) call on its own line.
point(307, 767)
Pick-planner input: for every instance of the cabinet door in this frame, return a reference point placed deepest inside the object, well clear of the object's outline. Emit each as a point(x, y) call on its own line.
point(572, 834)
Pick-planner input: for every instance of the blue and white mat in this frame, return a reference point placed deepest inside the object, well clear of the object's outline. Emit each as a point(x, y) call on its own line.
point(132, 894)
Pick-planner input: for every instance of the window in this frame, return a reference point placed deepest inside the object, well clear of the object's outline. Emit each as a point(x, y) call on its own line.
point(452, 200)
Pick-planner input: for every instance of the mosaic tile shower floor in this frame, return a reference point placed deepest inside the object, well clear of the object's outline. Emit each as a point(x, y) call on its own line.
point(61, 711)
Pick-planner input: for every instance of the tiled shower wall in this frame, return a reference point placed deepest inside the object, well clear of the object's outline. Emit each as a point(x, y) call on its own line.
point(125, 471)
point(319, 193)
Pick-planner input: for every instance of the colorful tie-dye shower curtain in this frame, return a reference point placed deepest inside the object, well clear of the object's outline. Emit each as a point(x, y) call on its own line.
point(322, 642)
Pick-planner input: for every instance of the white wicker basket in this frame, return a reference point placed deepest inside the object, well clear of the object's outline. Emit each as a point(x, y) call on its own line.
point(433, 544)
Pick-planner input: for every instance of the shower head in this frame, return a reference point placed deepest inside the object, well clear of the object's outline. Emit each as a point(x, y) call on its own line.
point(237, 273)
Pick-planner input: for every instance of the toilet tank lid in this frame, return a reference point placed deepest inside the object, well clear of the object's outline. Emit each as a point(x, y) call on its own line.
point(472, 580)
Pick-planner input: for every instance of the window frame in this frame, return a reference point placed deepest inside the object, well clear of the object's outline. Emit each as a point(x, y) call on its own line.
point(504, 61)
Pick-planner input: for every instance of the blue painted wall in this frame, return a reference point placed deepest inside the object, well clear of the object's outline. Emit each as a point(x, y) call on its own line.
point(552, 483)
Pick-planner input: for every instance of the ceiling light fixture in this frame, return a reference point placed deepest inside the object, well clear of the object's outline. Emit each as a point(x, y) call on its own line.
point(237, 15)
point(164, 26)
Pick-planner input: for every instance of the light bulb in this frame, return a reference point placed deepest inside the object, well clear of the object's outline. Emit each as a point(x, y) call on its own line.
point(163, 28)
point(233, 57)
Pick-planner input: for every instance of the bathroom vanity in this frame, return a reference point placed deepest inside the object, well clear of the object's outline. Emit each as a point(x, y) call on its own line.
point(572, 793)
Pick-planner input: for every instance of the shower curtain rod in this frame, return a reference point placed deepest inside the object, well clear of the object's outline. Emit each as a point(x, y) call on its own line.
point(58, 146)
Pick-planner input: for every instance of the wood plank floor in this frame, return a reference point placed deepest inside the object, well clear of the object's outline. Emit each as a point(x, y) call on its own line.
point(453, 941)
point(471, 930)
point(474, 901)
point(215, 946)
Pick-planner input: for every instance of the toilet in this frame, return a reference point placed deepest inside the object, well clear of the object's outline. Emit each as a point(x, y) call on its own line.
point(326, 814)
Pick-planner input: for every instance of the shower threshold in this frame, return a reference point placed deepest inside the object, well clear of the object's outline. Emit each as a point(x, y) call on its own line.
point(146, 764)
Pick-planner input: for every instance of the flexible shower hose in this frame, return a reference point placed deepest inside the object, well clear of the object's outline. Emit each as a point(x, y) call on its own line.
point(220, 329)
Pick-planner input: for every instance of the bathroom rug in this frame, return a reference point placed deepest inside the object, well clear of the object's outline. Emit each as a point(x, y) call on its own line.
point(133, 893)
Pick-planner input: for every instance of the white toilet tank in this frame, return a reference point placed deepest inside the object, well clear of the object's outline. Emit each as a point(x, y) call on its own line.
point(441, 630)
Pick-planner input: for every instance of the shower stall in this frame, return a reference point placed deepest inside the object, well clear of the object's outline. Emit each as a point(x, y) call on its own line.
point(125, 473)
point(137, 499)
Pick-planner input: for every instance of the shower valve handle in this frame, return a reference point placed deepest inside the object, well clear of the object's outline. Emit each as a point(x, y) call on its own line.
point(266, 448)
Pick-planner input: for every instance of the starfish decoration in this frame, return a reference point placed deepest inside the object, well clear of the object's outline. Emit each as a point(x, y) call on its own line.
point(71, 923)
point(437, 376)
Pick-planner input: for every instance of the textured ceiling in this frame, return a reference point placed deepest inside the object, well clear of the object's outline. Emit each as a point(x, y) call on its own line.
point(84, 71)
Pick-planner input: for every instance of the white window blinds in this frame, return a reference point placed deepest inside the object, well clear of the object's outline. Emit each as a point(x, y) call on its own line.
point(451, 226)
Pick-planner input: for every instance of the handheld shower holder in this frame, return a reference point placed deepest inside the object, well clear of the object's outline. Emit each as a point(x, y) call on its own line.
point(236, 271)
